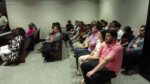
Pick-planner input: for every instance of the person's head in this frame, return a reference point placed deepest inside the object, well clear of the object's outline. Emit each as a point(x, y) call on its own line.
point(127, 30)
point(142, 30)
point(76, 22)
point(101, 21)
point(104, 23)
point(55, 23)
point(96, 28)
point(69, 21)
point(81, 24)
point(116, 26)
point(33, 25)
point(20, 31)
point(56, 29)
point(30, 26)
point(111, 36)
point(114, 22)
point(93, 22)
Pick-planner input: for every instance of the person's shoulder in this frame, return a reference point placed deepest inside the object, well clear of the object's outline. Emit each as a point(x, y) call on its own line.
point(118, 46)
point(103, 44)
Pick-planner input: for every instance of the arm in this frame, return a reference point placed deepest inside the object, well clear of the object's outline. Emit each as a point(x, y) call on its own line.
point(6, 21)
point(100, 66)
point(55, 38)
point(138, 49)
point(131, 43)
point(104, 61)
point(95, 56)
point(124, 44)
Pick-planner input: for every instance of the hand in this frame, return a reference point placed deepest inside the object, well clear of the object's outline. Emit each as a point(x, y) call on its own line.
point(134, 46)
point(128, 50)
point(84, 59)
point(89, 74)
point(81, 46)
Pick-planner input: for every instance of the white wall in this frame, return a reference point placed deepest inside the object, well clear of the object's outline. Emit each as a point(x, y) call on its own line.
point(128, 12)
point(44, 12)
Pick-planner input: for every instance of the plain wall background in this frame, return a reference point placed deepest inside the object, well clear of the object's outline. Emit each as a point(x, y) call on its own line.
point(127, 12)
point(44, 12)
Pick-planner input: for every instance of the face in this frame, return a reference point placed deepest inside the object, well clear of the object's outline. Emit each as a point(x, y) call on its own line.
point(108, 38)
point(94, 29)
point(55, 29)
point(16, 32)
point(142, 31)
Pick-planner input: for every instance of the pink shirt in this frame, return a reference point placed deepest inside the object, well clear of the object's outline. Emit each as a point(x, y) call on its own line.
point(30, 32)
point(116, 51)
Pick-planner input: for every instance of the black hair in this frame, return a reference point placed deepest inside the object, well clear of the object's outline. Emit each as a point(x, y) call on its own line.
point(118, 25)
point(58, 27)
point(21, 31)
point(113, 33)
point(105, 22)
point(98, 26)
point(55, 23)
point(144, 26)
point(127, 29)
point(114, 21)
point(69, 21)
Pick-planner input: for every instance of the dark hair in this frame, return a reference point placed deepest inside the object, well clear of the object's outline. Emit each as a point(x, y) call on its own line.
point(55, 23)
point(102, 20)
point(98, 26)
point(144, 26)
point(118, 25)
point(114, 21)
point(105, 22)
point(21, 31)
point(127, 29)
point(58, 27)
point(69, 21)
point(113, 33)
point(33, 25)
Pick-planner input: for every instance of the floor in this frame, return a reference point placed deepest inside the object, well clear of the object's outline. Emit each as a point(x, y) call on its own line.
point(34, 71)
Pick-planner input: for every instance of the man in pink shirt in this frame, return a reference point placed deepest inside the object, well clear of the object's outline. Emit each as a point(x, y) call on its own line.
point(109, 64)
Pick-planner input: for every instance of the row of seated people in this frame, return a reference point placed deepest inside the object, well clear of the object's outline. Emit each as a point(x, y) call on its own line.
point(105, 50)
point(17, 45)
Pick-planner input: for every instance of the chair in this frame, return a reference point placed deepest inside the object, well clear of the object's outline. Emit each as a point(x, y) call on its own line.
point(58, 54)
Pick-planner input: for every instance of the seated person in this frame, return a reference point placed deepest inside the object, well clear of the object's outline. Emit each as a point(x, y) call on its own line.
point(127, 36)
point(93, 55)
point(82, 41)
point(131, 56)
point(52, 44)
point(34, 26)
point(10, 53)
point(92, 39)
point(69, 26)
point(30, 30)
point(3, 23)
point(109, 64)
point(117, 28)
